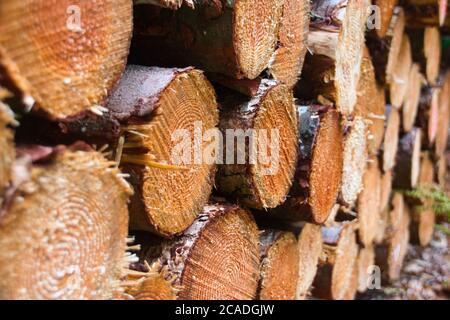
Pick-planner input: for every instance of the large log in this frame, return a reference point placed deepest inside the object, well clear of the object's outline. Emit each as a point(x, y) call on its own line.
point(398, 84)
point(260, 146)
point(335, 41)
point(426, 51)
point(68, 213)
point(426, 12)
point(279, 265)
point(62, 58)
point(336, 267)
point(391, 137)
point(236, 38)
point(287, 62)
point(408, 160)
point(319, 170)
point(163, 115)
point(7, 154)
point(217, 257)
point(428, 114)
point(412, 99)
point(368, 205)
point(385, 50)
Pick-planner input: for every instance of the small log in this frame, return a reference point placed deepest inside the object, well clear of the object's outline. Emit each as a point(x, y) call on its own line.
point(385, 49)
point(310, 249)
point(287, 62)
point(216, 258)
point(355, 161)
point(407, 169)
point(391, 254)
point(366, 260)
point(336, 42)
point(428, 115)
point(160, 113)
point(387, 9)
point(386, 189)
point(68, 57)
point(426, 12)
point(279, 265)
point(391, 138)
point(426, 51)
point(398, 84)
point(371, 104)
point(319, 170)
point(260, 151)
point(368, 204)
point(444, 116)
point(336, 267)
point(69, 213)
point(8, 153)
point(412, 99)
point(236, 38)
point(422, 214)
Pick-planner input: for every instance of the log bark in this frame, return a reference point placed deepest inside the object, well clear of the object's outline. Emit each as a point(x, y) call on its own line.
point(319, 169)
point(336, 267)
point(400, 75)
point(412, 99)
point(161, 113)
point(428, 115)
point(279, 265)
point(216, 258)
point(287, 62)
point(355, 161)
point(422, 213)
point(385, 49)
point(426, 12)
point(7, 155)
point(218, 36)
point(368, 204)
point(57, 67)
point(426, 51)
point(336, 42)
point(371, 104)
point(391, 138)
point(260, 147)
point(387, 11)
point(444, 116)
point(309, 248)
point(408, 160)
point(366, 259)
point(68, 211)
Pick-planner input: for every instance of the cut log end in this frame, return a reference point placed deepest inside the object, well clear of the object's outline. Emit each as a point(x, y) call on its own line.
point(71, 217)
point(386, 11)
point(7, 154)
point(432, 52)
point(399, 83)
point(254, 49)
point(279, 266)
point(288, 58)
point(152, 285)
point(412, 99)
point(391, 137)
point(386, 190)
point(355, 161)
point(366, 260)
point(69, 78)
point(408, 160)
point(172, 184)
point(444, 116)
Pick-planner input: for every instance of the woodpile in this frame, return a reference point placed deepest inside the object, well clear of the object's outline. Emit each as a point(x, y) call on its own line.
point(184, 149)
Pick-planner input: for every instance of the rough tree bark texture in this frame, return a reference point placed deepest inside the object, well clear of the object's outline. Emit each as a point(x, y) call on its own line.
point(412, 99)
point(7, 154)
point(408, 160)
point(236, 38)
point(279, 265)
point(336, 42)
point(160, 112)
point(61, 62)
point(260, 147)
point(400, 74)
point(69, 214)
point(428, 114)
point(338, 261)
point(426, 51)
point(368, 205)
point(217, 257)
point(319, 169)
point(385, 49)
point(426, 12)
point(391, 137)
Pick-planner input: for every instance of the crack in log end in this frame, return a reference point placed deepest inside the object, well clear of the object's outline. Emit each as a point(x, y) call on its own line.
point(71, 218)
point(279, 266)
point(255, 33)
point(7, 154)
point(287, 63)
point(69, 78)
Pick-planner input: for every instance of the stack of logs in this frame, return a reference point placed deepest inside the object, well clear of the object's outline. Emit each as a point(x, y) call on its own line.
point(116, 180)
